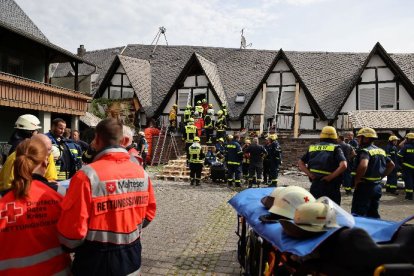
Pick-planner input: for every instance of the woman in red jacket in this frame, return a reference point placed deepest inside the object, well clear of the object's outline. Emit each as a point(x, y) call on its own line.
point(28, 215)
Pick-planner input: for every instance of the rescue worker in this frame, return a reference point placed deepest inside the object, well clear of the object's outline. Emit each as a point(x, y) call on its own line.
point(210, 108)
point(220, 149)
point(199, 109)
point(349, 154)
point(371, 165)
point(349, 138)
point(220, 125)
point(142, 148)
point(209, 125)
point(107, 205)
point(391, 150)
point(275, 159)
point(196, 161)
point(172, 117)
point(71, 158)
point(406, 161)
point(33, 250)
point(25, 126)
point(246, 160)
point(225, 112)
point(7, 171)
point(266, 163)
point(190, 133)
point(233, 156)
point(204, 104)
point(324, 164)
point(257, 153)
point(127, 143)
point(199, 123)
point(187, 114)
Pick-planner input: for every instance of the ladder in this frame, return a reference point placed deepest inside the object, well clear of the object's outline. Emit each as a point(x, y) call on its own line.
point(159, 151)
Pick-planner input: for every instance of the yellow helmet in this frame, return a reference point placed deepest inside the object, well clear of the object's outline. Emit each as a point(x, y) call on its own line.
point(247, 141)
point(220, 139)
point(410, 135)
point(272, 137)
point(220, 112)
point(329, 133)
point(175, 105)
point(367, 132)
point(196, 139)
point(393, 138)
point(230, 137)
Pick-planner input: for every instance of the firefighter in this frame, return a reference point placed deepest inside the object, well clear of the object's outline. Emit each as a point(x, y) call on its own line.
point(324, 163)
point(349, 154)
point(205, 105)
point(246, 160)
point(187, 114)
point(220, 149)
point(196, 160)
point(391, 150)
point(257, 153)
point(209, 125)
point(225, 112)
point(275, 159)
point(30, 234)
point(220, 125)
point(406, 161)
point(234, 155)
point(172, 117)
point(371, 165)
point(190, 133)
point(199, 108)
point(266, 163)
point(108, 204)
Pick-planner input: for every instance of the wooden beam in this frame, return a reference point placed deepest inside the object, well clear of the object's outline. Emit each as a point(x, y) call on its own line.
point(76, 76)
point(262, 108)
point(296, 118)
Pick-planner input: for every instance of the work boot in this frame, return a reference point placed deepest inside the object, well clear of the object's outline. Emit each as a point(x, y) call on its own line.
point(197, 182)
point(393, 191)
point(409, 196)
point(230, 183)
point(192, 182)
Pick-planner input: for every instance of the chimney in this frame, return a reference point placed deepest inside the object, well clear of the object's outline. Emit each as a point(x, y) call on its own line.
point(81, 50)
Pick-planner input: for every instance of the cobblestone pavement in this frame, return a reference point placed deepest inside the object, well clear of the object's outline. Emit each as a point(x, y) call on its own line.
point(194, 230)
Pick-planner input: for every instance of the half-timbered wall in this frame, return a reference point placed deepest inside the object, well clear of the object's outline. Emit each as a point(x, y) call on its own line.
point(119, 87)
point(280, 101)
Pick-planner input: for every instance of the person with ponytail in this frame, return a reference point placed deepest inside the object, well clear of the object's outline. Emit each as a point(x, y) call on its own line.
point(29, 211)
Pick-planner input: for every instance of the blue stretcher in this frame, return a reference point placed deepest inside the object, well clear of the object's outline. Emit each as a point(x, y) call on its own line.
point(247, 204)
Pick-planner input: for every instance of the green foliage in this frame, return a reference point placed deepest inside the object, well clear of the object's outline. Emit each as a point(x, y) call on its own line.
point(106, 104)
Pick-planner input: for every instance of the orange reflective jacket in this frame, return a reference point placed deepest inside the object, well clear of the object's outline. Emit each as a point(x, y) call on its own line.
point(28, 233)
point(107, 201)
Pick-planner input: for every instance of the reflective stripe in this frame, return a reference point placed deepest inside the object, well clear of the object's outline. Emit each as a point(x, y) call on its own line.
point(408, 165)
point(400, 155)
point(112, 237)
point(70, 243)
point(100, 188)
point(30, 260)
point(99, 155)
point(373, 152)
point(231, 146)
point(322, 148)
point(410, 150)
point(372, 178)
point(319, 171)
point(233, 163)
point(408, 190)
point(392, 186)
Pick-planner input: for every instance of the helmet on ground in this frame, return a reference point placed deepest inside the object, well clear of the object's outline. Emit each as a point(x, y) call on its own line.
point(310, 219)
point(272, 137)
point(27, 122)
point(410, 135)
point(198, 102)
point(196, 139)
point(210, 105)
point(367, 132)
point(286, 202)
point(204, 100)
point(393, 138)
point(220, 140)
point(328, 132)
point(230, 137)
point(220, 112)
point(141, 133)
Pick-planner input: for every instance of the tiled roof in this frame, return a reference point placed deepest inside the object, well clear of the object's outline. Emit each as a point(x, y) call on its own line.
point(101, 58)
point(406, 63)
point(12, 15)
point(390, 119)
point(139, 74)
point(239, 70)
point(328, 76)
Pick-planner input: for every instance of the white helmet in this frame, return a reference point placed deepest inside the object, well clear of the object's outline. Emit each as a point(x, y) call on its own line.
point(27, 122)
point(310, 219)
point(289, 199)
point(56, 152)
point(210, 111)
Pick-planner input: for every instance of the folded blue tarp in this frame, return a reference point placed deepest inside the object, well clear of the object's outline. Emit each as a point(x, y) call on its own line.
point(247, 204)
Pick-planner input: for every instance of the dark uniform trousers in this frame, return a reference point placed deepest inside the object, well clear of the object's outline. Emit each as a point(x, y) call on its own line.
point(266, 172)
point(255, 174)
point(365, 201)
point(274, 171)
point(408, 176)
point(330, 189)
point(233, 169)
point(195, 171)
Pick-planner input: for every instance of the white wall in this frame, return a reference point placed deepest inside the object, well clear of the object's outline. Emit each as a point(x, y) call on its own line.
point(212, 99)
point(306, 122)
point(406, 102)
point(281, 66)
point(170, 103)
point(235, 125)
point(255, 107)
point(376, 60)
point(350, 104)
point(304, 106)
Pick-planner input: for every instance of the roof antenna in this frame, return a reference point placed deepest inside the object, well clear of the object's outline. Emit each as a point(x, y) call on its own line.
point(161, 31)
point(243, 41)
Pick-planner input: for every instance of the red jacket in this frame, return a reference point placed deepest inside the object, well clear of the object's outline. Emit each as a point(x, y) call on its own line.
point(28, 233)
point(199, 123)
point(107, 201)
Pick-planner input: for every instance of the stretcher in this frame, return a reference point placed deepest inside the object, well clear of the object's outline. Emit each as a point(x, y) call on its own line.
point(371, 246)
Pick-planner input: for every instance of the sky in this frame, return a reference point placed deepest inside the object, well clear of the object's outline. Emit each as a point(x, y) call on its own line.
point(294, 25)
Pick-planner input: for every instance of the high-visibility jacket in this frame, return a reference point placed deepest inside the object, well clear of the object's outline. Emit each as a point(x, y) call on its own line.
point(208, 122)
point(391, 151)
point(321, 158)
point(221, 124)
point(28, 233)
point(377, 163)
point(187, 115)
point(107, 202)
point(7, 174)
point(274, 152)
point(234, 153)
point(190, 133)
point(199, 109)
point(196, 153)
point(406, 156)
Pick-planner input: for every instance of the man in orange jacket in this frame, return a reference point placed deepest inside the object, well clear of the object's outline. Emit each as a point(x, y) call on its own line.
point(106, 206)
